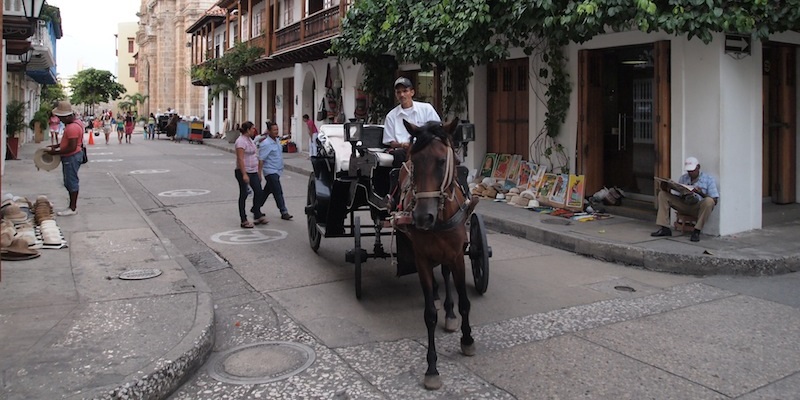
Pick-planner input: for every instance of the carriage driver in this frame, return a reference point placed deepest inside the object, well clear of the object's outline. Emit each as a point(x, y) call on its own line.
point(418, 113)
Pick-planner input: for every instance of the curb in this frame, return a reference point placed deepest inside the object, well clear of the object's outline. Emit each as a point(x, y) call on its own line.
point(175, 367)
point(684, 264)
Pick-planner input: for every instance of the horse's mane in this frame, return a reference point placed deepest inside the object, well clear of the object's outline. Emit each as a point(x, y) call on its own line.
point(427, 133)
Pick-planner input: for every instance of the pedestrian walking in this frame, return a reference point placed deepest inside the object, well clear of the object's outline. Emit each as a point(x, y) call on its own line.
point(151, 126)
point(55, 128)
point(248, 174)
point(129, 124)
point(70, 148)
point(270, 155)
point(120, 129)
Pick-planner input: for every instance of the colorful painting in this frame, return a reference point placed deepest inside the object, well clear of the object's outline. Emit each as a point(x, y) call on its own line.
point(524, 174)
point(512, 179)
point(546, 185)
point(489, 161)
point(576, 191)
point(501, 168)
point(558, 195)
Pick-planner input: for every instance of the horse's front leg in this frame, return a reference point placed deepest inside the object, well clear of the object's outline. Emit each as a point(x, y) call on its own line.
point(450, 320)
point(467, 342)
point(432, 379)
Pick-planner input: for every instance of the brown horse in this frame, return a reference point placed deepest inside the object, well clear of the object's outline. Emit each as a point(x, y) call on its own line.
point(439, 209)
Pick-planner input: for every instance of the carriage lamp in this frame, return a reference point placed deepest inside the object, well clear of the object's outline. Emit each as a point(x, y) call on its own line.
point(352, 131)
point(465, 132)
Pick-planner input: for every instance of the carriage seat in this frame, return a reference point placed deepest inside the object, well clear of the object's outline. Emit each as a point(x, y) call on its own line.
point(383, 158)
point(341, 147)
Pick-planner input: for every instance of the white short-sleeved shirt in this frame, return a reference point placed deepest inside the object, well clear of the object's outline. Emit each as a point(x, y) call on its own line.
point(418, 114)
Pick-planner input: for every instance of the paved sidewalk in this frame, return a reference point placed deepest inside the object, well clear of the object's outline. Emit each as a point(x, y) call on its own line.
point(70, 327)
point(772, 250)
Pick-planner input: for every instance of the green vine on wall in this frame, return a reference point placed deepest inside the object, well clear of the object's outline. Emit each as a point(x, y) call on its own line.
point(465, 33)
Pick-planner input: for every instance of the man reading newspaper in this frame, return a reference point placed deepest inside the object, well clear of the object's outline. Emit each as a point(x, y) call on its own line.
point(694, 194)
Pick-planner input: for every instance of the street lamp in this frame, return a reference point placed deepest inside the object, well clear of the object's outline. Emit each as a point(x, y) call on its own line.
point(32, 8)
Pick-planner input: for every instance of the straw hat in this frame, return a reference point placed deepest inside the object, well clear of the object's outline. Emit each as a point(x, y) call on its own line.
point(63, 109)
point(14, 213)
point(18, 250)
point(46, 161)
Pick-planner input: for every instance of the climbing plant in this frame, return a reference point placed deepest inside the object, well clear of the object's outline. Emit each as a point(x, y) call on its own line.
point(222, 74)
point(456, 33)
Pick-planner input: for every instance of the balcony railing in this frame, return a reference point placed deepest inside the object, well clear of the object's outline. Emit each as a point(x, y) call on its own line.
point(320, 25)
point(288, 37)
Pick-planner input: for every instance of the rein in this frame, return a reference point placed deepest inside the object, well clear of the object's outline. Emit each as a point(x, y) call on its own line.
point(446, 193)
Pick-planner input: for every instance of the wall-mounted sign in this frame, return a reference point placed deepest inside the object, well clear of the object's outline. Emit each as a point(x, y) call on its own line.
point(738, 44)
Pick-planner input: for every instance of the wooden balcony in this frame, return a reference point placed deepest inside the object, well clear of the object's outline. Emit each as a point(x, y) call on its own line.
point(321, 25)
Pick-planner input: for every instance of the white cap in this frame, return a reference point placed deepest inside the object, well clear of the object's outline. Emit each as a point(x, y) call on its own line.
point(690, 164)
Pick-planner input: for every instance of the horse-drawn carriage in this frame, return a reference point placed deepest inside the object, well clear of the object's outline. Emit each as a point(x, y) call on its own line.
point(352, 175)
point(425, 205)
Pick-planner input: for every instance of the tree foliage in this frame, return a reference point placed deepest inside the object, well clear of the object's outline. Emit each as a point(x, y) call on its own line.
point(49, 96)
point(222, 74)
point(92, 86)
point(454, 34)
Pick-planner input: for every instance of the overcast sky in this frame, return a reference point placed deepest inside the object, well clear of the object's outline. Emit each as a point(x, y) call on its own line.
point(89, 27)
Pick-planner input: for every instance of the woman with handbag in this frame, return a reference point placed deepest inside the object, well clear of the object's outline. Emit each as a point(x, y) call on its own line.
point(72, 153)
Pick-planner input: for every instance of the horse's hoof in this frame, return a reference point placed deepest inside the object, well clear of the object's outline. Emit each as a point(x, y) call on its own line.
point(468, 350)
point(433, 382)
point(450, 324)
point(438, 304)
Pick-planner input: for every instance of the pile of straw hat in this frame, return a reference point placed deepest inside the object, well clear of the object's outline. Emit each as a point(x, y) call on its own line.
point(15, 249)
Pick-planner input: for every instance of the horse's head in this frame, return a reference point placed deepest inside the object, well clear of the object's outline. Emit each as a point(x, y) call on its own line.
point(432, 171)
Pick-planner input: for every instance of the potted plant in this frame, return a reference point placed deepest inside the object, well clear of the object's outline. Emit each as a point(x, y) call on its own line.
point(15, 124)
point(40, 122)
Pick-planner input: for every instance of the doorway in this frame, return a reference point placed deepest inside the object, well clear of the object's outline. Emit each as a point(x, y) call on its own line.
point(779, 169)
point(507, 107)
point(623, 133)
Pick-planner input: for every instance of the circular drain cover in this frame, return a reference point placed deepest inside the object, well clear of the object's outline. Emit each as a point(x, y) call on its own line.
point(556, 221)
point(136, 274)
point(261, 362)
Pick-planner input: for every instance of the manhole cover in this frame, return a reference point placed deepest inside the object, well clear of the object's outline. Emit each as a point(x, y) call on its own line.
point(556, 221)
point(136, 274)
point(625, 289)
point(262, 362)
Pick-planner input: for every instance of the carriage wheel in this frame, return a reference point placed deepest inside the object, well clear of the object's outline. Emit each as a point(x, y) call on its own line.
point(479, 253)
point(314, 235)
point(357, 253)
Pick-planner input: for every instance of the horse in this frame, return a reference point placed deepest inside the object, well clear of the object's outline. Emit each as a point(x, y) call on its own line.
point(439, 207)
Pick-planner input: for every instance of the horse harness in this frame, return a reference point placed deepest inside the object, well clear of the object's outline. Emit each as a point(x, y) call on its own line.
point(446, 192)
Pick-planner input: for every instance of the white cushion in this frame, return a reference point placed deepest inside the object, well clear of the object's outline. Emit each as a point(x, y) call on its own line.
point(384, 159)
point(341, 148)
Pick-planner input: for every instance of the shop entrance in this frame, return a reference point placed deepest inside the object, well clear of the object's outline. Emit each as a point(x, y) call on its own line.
point(623, 133)
point(507, 107)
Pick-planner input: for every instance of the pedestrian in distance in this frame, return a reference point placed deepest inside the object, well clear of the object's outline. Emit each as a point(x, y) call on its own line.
point(312, 133)
point(151, 127)
point(120, 129)
point(248, 175)
point(70, 148)
point(130, 121)
point(270, 154)
point(55, 128)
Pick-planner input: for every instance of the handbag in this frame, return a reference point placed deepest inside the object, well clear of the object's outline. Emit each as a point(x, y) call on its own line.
point(321, 112)
point(85, 155)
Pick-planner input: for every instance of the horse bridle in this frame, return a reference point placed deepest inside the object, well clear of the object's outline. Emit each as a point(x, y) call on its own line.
point(441, 194)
